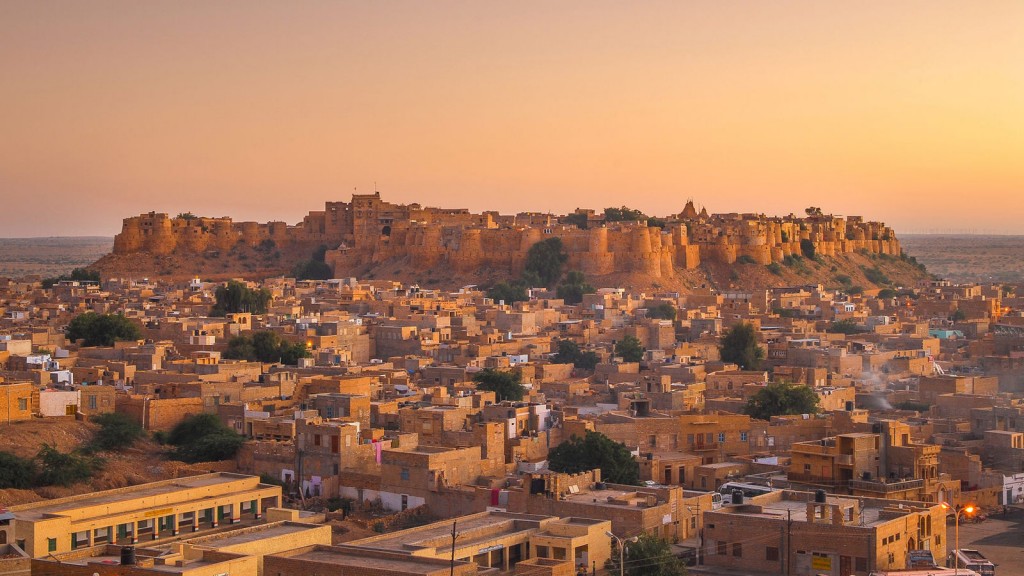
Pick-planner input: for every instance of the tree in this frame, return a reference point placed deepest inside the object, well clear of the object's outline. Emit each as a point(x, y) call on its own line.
point(648, 555)
point(265, 346)
point(505, 385)
point(569, 353)
point(623, 214)
point(78, 274)
point(60, 469)
point(958, 316)
point(813, 211)
point(544, 260)
point(237, 297)
point(662, 311)
point(739, 345)
point(509, 292)
point(630, 349)
point(116, 431)
point(847, 326)
point(16, 472)
point(781, 398)
point(315, 268)
point(807, 248)
point(577, 219)
point(102, 329)
point(595, 450)
point(574, 287)
point(204, 438)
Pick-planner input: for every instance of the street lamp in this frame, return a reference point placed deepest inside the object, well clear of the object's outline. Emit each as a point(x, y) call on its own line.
point(957, 511)
point(622, 550)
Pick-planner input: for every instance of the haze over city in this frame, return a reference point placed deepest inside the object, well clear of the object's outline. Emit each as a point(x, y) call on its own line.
point(906, 112)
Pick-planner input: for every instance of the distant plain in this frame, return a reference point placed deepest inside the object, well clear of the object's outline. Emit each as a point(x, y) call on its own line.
point(50, 256)
point(968, 258)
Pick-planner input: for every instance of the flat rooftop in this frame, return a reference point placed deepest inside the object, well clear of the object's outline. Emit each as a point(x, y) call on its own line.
point(470, 530)
point(345, 559)
point(797, 510)
point(253, 534)
point(37, 510)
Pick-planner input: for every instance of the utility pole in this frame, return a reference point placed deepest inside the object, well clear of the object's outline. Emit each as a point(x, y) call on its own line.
point(789, 539)
point(451, 569)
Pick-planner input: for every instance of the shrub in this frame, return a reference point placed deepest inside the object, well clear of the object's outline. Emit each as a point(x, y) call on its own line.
point(116, 431)
point(16, 472)
point(204, 438)
point(60, 469)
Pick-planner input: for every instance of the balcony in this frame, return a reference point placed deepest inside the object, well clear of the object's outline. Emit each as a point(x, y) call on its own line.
point(704, 447)
point(886, 487)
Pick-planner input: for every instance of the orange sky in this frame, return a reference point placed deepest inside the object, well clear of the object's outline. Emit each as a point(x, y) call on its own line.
point(907, 112)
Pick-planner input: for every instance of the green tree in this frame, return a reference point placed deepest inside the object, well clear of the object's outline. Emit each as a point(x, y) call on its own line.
point(16, 472)
point(595, 450)
point(630, 349)
point(78, 274)
point(59, 469)
point(544, 261)
point(577, 219)
point(204, 438)
point(237, 297)
point(315, 268)
point(102, 329)
point(958, 316)
point(569, 353)
point(116, 431)
point(509, 292)
point(505, 385)
point(647, 555)
point(887, 293)
point(662, 311)
point(847, 326)
point(781, 398)
point(807, 248)
point(739, 345)
point(623, 214)
point(265, 346)
point(574, 287)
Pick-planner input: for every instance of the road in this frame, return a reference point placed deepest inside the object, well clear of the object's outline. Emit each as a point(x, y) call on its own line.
point(999, 538)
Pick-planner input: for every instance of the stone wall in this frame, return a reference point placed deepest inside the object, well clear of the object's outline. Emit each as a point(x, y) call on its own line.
point(369, 231)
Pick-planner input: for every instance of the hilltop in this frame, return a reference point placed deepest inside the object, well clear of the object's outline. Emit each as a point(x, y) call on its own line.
point(371, 238)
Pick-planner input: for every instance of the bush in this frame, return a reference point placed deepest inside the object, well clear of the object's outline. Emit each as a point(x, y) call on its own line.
point(630, 349)
point(782, 398)
point(16, 472)
point(595, 450)
point(59, 469)
point(876, 276)
point(265, 346)
point(574, 287)
point(774, 268)
point(662, 311)
point(739, 345)
point(807, 248)
point(744, 259)
point(509, 292)
point(116, 431)
point(204, 438)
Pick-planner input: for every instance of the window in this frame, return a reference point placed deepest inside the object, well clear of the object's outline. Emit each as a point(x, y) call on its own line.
point(721, 436)
point(771, 554)
point(558, 553)
point(689, 438)
point(404, 474)
point(51, 544)
point(22, 404)
point(807, 468)
point(652, 440)
point(542, 552)
point(709, 438)
point(743, 436)
point(316, 440)
point(737, 550)
point(92, 402)
point(723, 548)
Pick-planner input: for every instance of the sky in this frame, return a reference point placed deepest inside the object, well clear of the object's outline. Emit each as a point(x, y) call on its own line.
point(907, 112)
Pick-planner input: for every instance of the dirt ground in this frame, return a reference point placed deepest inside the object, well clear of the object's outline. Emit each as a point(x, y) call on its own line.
point(144, 462)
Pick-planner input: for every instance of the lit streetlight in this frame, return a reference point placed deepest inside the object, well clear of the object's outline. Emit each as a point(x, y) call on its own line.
point(957, 511)
point(622, 550)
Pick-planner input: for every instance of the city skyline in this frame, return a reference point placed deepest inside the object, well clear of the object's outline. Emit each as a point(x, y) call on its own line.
point(905, 113)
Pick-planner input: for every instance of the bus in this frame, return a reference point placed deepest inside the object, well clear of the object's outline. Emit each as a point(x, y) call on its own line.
point(972, 560)
point(749, 490)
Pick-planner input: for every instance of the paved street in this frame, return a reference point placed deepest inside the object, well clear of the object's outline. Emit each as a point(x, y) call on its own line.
point(999, 538)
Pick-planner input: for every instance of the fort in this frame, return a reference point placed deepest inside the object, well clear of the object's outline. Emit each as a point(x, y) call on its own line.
point(369, 231)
